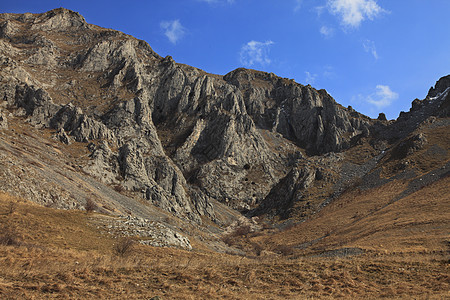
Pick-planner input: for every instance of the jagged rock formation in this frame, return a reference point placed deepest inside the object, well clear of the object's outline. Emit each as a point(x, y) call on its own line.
point(3, 120)
point(440, 87)
point(177, 136)
point(436, 104)
point(441, 93)
point(309, 118)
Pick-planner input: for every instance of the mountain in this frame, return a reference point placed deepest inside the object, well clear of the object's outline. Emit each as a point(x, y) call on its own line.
point(94, 117)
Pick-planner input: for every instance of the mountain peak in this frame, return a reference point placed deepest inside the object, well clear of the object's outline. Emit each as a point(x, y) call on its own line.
point(441, 85)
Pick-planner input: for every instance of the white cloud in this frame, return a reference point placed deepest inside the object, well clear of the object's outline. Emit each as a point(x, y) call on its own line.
point(319, 10)
point(369, 47)
point(383, 96)
point(326, 31)
point(173, 30)
point(255, 53)
point(310, 78)
point(353, 12)
point(298, 5)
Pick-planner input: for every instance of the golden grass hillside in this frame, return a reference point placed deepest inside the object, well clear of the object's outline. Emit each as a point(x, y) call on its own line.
point(59, 254)
point(371, 220)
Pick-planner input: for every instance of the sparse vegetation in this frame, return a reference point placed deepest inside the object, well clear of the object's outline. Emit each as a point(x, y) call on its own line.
point(118, 188)
point(8, 236)
point(285, 250)
point(11, 207)
point(318, 238)
point(238, 233)
point(123, 247)
point(90, 206)
point(64, 265)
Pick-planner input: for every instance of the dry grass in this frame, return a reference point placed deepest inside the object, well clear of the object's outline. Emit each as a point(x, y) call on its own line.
point(123, 247)
point(422, 160)
point(419, 222)
point(62, 256)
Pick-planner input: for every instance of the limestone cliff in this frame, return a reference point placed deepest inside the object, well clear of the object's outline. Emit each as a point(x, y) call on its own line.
point(177, 136)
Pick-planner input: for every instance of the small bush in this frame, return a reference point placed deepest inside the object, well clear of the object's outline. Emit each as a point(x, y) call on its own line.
point(288, 227)
point(12, 206)
point(123, 247)
point(51, 288)
point(227, 239)
point(257, 248)
point(118, 188)
point(8, 237)
point(285, 250)
point(240, 231)
point(90, 206)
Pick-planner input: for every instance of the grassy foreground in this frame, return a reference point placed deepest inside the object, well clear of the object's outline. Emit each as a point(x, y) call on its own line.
point(47, 253)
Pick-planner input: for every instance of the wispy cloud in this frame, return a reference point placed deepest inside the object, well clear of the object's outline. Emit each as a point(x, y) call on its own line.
point(255, 53)
point(319, 10)
point(369, 47)
point(353, 12)
point(298, 5)
point(310, 78)
point(329, 72)
point(326, 31)
point(173, 30)
point(383, 96)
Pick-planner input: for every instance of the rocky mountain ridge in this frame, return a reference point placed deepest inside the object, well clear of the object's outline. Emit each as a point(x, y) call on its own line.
point(180, 138)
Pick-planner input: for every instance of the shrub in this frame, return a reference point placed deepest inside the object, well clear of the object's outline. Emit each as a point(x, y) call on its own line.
point(257, 248)
point(240, 231)
point(12, 206)
point(284, 250)
point(90, 206)
point(8, 237)
point(227, 239)
point(118, 188)
point(123, 247)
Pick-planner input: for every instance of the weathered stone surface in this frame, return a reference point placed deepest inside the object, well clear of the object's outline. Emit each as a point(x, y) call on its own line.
point(62, 136)
point(288, 191)
point(104, 164)
point(149, 232)
point(308, 117)
point(410, 145)
point(381, 117)
point(440, 87)
point(3, 120)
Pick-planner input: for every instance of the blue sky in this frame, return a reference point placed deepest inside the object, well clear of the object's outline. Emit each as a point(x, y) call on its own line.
point(375, 55)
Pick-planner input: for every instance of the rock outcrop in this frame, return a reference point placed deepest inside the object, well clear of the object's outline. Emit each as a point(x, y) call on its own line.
point(309, 118)
point(3, 120)
point(440, 87)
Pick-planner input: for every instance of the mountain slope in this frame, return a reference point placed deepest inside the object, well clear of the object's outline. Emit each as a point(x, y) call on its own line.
point(177, 135)
point(185, 140)
point(317, 199)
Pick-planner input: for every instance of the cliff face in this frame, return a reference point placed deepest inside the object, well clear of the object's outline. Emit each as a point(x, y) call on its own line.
point(177, 136)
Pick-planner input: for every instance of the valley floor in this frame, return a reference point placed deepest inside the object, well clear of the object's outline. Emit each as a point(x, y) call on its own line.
point(47, 253)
